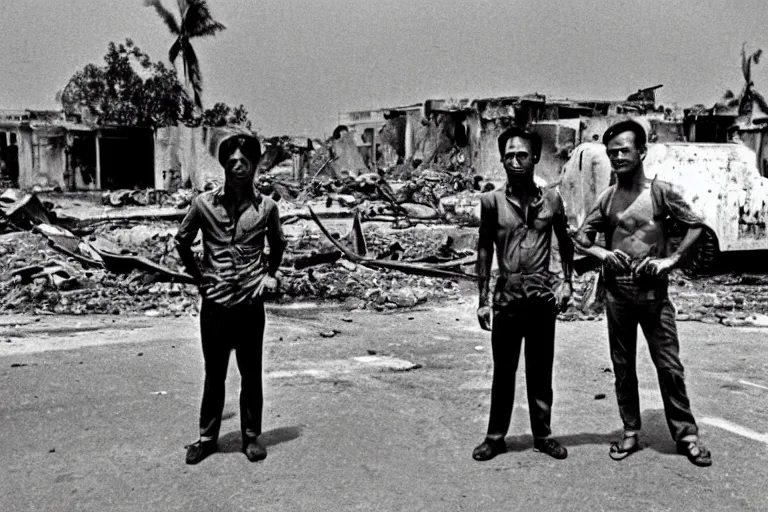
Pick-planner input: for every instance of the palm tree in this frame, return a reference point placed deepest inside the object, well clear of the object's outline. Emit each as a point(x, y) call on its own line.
point(195, 21)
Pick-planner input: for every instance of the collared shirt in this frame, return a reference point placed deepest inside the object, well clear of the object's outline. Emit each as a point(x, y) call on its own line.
point(522, 241)
point(522, 244)
point(233, 261)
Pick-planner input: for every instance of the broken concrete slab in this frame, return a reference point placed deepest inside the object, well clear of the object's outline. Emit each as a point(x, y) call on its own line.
point(22, 210)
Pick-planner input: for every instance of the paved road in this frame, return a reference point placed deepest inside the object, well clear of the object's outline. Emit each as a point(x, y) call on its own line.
point(95, 413)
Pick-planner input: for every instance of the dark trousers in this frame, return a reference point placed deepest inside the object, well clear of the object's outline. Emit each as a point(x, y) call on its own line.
point(536, 323)
point(223, 329)
point(624, 311)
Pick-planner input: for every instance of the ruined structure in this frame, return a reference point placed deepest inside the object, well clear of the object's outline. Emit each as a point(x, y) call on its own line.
point(43, 149)
point(461, 134)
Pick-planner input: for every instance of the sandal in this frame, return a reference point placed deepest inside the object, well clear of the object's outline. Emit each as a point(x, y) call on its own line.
point(696, 453)
point(621, 450)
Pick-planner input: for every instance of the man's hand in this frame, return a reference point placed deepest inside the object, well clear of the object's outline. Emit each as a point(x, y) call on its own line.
point(615, 260)
point(657, 266)
point(484, 317)
point(267, 288)
point(563, 295)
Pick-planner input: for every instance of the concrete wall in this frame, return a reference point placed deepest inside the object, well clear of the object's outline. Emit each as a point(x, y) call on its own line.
point(189, 151)
point(42, 159)
point(558, 137)
point(485, 152)
point(51, 161)
point(558, 140)
point(26, 169)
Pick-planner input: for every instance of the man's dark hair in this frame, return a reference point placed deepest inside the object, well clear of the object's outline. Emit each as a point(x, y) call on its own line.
point(626, 126)
point(248, 145)
point(515, 131)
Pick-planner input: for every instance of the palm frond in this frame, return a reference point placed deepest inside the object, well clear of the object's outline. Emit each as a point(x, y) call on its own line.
point(174, 51)
point(198, 17)
point(165, 15)
point(183, 6)
point(209, 29)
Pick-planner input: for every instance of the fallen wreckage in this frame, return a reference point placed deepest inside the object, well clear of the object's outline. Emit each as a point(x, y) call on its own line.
point(105, 269)
point(445, 269)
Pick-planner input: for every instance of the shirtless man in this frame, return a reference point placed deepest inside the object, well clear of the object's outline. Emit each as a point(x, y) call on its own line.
point(634, 214)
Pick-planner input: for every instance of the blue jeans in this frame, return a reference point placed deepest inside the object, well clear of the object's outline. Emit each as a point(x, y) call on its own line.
point(627, 306)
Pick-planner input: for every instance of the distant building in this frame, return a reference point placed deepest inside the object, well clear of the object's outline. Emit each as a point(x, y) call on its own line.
point(42, 149)
point(440, 131)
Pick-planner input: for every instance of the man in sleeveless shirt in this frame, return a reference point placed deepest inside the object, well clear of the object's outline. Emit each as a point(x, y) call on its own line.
point(234, 278)
point(634, 216)
point(518, 220)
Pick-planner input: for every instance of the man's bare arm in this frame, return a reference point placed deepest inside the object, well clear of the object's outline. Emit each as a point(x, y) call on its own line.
point(483, 266)
point(676, 207)
point(483, 269)
point(484, 258)
point(664, 265)
point(689, 241)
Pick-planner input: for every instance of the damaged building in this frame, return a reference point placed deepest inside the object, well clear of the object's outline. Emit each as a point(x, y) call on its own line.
point(42, 149)
point(46, 151)
point(462, 133)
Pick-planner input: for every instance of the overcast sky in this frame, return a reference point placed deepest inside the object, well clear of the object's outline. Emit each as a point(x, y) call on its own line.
point(296, 65)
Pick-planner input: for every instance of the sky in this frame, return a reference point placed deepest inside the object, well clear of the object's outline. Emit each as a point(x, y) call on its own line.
point(296, 65)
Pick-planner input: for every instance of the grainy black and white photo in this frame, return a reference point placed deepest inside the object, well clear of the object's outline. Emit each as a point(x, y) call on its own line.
point(383, 256)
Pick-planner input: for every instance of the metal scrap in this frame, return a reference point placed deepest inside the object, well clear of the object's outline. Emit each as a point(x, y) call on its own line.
point(407, 268)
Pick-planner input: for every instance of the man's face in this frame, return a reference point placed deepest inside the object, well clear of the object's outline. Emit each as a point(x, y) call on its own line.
point(625, 157)
point(239, 169)
point(518, 159)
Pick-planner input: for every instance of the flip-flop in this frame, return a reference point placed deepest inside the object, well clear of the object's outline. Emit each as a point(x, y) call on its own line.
point(618, 452)
point(696, 453)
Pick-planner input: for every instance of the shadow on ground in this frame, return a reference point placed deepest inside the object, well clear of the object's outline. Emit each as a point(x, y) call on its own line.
point(655, 435)
point(232, 442)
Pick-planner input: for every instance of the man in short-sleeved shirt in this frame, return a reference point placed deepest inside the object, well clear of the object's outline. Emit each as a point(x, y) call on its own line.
point(635, 215)
point(518, 222)
point(234, 278)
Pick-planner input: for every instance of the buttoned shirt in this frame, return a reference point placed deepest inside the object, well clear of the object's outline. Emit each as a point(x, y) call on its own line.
point(234, 260)
point(522, 241)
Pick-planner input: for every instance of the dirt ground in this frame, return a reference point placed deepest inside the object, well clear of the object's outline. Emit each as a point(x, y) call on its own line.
point(364, 411)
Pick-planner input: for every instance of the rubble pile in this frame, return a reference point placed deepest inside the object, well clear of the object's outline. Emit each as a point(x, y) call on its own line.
point(179, 199)
point(734, 300)
point(130, 265)
point(361, 287)
point(38, 279)
point(429, 186)
point(35, 278)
